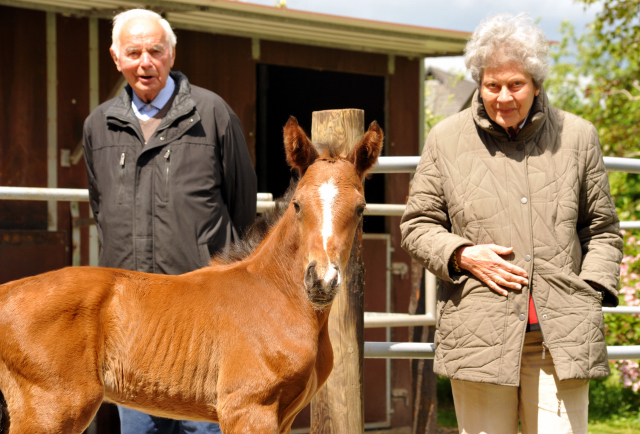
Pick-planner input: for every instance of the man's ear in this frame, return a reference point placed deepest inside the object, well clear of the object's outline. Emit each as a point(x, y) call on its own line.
point(173, 56)
point(114, 56)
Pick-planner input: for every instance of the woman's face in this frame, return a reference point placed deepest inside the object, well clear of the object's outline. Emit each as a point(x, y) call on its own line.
point(507, 92)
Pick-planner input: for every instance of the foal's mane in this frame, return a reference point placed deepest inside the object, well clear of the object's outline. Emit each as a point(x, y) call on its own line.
point(259, 230)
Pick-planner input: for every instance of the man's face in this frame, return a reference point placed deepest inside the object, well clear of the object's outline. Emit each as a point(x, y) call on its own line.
point(144, 57)
point(507, 92)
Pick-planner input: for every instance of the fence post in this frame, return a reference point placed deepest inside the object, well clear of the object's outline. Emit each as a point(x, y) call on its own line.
point(338, 407)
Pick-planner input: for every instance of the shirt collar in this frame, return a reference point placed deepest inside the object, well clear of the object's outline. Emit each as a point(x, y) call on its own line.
point(161, 99)
point(524, 121)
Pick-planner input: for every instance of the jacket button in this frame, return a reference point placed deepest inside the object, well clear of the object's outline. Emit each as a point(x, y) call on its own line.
point(523, 200)
point(527, 258)
point(161, 138)
point(520, 147)
point(191, 120)
point(521, 317)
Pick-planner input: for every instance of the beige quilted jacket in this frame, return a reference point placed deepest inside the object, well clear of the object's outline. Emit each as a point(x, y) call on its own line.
point(546, 194)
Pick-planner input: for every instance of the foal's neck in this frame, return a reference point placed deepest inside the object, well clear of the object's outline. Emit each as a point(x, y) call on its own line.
point(278, 256)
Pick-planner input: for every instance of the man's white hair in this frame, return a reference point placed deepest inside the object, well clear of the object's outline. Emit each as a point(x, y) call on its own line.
point(503, 38)
point(133, 14)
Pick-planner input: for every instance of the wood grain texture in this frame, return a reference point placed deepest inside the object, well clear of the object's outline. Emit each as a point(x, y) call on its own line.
point(338, 406)
point(340, 128)
point(322, 59)
point(23, 114)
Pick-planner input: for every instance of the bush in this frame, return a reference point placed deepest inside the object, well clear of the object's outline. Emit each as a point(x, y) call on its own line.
point(608, 399)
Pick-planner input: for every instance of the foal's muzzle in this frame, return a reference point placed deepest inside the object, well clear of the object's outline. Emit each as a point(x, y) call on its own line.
point(321, 287)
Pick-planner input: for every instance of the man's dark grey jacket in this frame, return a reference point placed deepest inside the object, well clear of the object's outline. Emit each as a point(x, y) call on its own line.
point(167, 205)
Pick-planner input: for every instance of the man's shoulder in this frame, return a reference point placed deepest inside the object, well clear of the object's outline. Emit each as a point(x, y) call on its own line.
point(202, 95)
point(98, 114)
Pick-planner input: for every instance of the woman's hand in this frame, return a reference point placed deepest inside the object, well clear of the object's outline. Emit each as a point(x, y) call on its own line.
point(484, 262)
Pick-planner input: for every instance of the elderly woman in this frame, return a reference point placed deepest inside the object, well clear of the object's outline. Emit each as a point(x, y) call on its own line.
point(510, 208)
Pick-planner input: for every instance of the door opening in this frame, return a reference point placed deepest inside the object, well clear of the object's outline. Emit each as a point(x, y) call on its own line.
point(284, 91)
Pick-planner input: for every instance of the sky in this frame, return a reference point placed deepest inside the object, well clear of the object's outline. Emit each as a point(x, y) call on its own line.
point(462, 15)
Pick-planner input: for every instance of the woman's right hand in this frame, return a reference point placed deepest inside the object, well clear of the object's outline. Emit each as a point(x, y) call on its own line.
point(484, 262)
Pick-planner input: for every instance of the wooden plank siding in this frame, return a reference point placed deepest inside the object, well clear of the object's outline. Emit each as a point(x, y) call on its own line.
point(222, 64)
point(23, 114)
point(402, 139)
point(331, 59)
point(73, 108)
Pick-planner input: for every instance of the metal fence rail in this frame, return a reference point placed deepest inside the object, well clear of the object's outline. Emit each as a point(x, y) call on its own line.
point(405, 164)
point(417, 350)
point(408, 164)
point(65, 194)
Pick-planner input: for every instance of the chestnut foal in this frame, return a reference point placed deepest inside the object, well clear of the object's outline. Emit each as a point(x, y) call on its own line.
point(243, 343)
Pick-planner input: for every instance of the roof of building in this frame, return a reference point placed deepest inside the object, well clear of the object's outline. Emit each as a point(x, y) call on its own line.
point(275, 24)
point(447, 93)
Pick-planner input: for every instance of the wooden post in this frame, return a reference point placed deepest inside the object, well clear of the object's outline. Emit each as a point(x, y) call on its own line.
point(423, 380)
point(338, 406)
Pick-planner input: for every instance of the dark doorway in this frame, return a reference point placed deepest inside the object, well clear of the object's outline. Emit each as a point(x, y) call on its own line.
point(285, 91)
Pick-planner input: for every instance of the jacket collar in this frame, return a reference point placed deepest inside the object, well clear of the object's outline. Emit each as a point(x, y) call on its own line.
point(537, 117)
point(121, 112)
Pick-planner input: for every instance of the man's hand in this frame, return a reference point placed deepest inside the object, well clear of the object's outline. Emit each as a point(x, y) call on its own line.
point(485, 263)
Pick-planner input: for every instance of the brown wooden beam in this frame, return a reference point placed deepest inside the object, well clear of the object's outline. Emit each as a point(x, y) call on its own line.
point(338, 407)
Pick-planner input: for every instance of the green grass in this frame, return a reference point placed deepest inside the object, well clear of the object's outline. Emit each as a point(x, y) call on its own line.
point(446, 412)
point(613, 409)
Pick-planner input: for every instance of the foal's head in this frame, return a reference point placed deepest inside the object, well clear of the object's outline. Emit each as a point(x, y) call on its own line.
point(329, 203)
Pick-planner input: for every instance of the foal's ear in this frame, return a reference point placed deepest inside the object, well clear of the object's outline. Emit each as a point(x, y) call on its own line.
point(299, 149)
point(366, 153)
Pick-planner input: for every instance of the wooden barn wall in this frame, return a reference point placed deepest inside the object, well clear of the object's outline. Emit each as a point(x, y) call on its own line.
point(108, 73)
point(401, 139)
point(222, 64)
point(73, 108)
point(302, 56)
point(23, 114)
point(26, 247)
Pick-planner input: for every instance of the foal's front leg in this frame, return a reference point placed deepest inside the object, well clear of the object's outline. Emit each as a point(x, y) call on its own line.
point(251, 418)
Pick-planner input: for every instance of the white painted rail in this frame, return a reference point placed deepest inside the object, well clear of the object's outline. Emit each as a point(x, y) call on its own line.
point(622, 310)
point(408, 164)
point(405, 164)
point(70, 194)
point(417, 350)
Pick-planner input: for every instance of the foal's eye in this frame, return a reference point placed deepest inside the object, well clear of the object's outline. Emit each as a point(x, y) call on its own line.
point(297, 207)
point(360, 211)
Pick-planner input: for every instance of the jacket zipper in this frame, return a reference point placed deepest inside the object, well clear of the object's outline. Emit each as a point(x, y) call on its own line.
point(166, 180)
point(121, 192)
point(545, 347)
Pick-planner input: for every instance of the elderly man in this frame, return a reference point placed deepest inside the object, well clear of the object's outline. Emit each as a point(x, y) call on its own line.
point(170, 178)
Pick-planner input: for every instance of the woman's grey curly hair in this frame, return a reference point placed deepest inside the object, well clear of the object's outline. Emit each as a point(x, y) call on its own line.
point(503, 38)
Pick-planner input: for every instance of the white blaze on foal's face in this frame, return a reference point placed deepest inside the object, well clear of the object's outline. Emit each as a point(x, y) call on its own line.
point(328, 192)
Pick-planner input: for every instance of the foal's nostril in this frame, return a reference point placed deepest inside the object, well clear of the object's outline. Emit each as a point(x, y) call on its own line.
point(310, 275)
point(335, 281)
